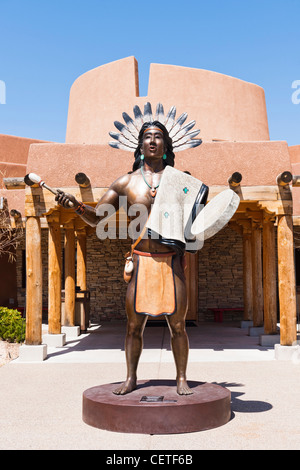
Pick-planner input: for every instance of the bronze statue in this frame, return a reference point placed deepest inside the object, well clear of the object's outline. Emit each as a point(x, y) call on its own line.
point(153, 152)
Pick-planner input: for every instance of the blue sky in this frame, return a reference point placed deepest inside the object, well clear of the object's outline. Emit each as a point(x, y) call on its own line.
point(46, 45)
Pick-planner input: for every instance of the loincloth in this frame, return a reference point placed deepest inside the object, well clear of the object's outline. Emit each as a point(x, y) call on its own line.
point(155, 291)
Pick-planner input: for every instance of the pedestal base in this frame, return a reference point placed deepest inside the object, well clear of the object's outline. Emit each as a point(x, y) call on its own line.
point(286, 353)
point(156, 408)
point(71, 331)
point(56, 341)
point(32, 353)
point(256, 330)
point(246, 323)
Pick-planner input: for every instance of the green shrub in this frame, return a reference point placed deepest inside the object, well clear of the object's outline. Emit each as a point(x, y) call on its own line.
point(12, 325)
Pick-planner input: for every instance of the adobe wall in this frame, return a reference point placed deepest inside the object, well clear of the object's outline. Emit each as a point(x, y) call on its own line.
point(225, 108)
point(294, 151)
point(211, 162)
point(13, 163)
point(13, 155)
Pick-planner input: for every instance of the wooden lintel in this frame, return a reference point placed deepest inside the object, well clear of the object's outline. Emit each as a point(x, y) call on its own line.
point(53, 216)
point(280, 207)
point(256, 216)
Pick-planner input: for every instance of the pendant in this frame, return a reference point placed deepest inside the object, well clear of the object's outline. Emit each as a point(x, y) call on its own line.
point(153, 192)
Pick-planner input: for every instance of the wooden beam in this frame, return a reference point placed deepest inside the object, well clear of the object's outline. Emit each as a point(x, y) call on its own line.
point(269, 276)
point(247, 271)
point(284, 178)
point(34, 284)
point(81, 258)
point(54, 275)
point(15, 214)
point(257, 275)
point(191, 274)
point(83, 180)
point(14, 183)
point(235, 179)
point(69, 319)
point(286, 280)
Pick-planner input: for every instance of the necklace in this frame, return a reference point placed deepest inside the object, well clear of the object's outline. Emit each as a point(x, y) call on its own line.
point(152, 188)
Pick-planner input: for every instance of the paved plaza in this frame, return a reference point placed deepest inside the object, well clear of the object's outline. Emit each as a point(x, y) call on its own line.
point(41, 403)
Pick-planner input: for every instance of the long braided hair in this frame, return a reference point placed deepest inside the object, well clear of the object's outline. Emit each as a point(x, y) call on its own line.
point(167, 140)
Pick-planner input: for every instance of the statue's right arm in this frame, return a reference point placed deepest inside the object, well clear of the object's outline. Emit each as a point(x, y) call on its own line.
point(91, 214)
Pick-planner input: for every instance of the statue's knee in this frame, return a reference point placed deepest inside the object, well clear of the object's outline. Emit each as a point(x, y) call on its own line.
point(177, 329)
point(134, 329)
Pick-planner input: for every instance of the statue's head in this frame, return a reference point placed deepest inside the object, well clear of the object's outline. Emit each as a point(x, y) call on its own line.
point(167, 142)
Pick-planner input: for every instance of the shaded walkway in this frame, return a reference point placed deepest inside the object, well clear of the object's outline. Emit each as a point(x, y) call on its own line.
point(209, 342)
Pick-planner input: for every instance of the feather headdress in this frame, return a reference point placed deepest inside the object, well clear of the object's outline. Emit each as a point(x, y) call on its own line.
point(182, 136)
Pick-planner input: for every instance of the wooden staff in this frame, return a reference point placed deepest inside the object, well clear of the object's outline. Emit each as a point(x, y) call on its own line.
point(32, 178)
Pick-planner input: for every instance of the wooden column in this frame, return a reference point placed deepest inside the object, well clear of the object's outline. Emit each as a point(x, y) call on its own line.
point(257, 287)
point(247, 271)
point(81, 258)
point(269, 276)
point(54, 276)
point(69, 274)
point(286, 281)
point(191, 274)
point(34, 284)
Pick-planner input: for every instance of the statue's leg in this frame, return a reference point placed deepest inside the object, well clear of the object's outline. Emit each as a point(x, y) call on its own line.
point(180, 348)
point(179, 338)
point(133, 342)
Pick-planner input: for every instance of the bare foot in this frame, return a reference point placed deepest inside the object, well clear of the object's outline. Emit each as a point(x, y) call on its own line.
point(183, 388)
point(128, 386)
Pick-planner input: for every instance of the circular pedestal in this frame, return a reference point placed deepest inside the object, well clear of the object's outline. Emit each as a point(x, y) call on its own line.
point(156, 408)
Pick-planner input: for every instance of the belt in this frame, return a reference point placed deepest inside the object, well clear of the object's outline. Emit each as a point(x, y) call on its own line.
point(154, 255)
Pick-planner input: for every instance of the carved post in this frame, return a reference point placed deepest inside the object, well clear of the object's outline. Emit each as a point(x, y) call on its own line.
point(54, 279)
point(269, 275)
point(34, 285)
point(257, 275)
point(69, 274)
point(286, 281)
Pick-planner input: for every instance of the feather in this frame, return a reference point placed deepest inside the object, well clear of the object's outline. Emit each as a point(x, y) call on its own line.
point(160, 116)
point(118, 145)
point(138, 117)
point(186, 138)
point(180, 121)
point(184, 130)
point(131, 125)
point(125, 131)
point(121, 138)
point(170, 119)
point(190, 144)
point(148, 113)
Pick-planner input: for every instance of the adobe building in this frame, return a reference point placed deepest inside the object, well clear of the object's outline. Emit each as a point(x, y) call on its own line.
point(245, 272)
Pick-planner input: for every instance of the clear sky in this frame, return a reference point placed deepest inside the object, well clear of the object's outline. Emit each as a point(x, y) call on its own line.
point(46, 44)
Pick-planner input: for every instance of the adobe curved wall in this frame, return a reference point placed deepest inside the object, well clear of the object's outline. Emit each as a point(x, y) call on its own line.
point(225, 108)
